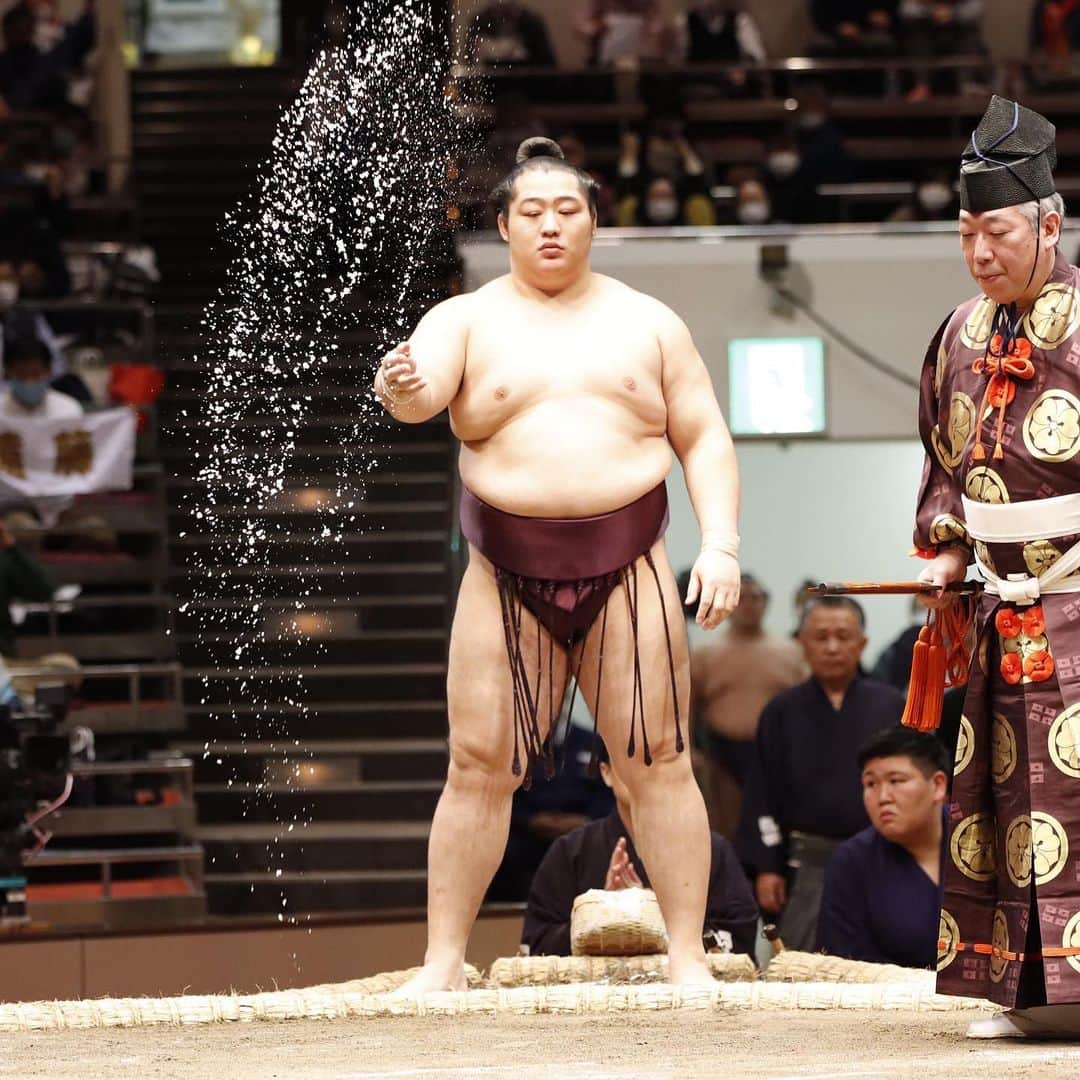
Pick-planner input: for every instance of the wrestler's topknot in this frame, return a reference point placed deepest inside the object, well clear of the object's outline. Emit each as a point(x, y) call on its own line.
point(539, 152)
point(538, 147)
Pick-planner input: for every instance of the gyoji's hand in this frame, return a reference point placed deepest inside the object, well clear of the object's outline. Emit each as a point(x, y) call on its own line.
point(715, 580)
point(399, 374)
point(948, 566)
point(621, 873)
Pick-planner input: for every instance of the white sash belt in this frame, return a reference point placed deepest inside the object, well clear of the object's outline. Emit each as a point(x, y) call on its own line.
point(1015, 523)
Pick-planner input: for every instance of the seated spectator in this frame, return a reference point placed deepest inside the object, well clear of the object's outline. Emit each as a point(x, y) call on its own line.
point(854, 27)
point(29, 396)
point(577, 154)
point(803, 795)
point(551, 809)
point(625, 34)
point(601, 855)
point(507, 32)
point(23, 578)
point(32, 248)
point(752, 203)
point(1055, 28)
point(662, 180)
point(934, 199)
point(792, 196)
point(940, 28)
point(883, 886)
point(32, 77)
point(719, 32)
point(822, 153)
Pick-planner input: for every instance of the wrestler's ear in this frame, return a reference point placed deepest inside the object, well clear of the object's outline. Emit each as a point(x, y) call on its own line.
point(504, 230)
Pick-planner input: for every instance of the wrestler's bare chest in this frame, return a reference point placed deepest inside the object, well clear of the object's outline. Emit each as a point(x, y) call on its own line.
point(602, 359)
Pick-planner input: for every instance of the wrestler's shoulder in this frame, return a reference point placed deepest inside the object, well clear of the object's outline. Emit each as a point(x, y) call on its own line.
point(643, 304)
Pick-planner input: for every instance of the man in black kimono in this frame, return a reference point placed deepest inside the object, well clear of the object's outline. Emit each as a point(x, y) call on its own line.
point(804, 794)
point(601, 855)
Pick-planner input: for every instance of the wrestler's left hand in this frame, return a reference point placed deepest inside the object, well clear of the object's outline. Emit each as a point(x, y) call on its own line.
point(716, 579)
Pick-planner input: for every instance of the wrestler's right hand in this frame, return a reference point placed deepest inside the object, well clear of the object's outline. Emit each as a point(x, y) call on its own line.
point(399, 374)
point(948, 566)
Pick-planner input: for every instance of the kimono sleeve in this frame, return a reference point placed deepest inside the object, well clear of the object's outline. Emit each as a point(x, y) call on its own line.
point(939, 515)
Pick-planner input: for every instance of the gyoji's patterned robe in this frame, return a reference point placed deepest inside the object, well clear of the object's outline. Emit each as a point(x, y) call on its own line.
point(1013, 832)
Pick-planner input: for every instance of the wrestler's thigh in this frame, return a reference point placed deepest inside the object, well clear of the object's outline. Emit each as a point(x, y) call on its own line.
point(617, 671)
point(480, 693)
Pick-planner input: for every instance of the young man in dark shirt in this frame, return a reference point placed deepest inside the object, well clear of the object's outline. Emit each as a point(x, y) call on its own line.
point(601, 855)
point(883, 886)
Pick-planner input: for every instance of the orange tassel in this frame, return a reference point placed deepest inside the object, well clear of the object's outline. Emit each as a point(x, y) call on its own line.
point(998, 452)
point(978, 454)
point(935, 682)
point(926, 690)
point(920, 666)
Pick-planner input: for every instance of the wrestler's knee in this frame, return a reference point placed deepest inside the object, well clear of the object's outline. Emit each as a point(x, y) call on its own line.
point(668, 766)
point(480, 769)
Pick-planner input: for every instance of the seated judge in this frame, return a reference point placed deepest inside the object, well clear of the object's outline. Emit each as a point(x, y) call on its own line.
point(883, 886)
point(601, 855)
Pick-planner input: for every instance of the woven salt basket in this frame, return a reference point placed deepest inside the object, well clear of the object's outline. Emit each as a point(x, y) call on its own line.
point(617, 922)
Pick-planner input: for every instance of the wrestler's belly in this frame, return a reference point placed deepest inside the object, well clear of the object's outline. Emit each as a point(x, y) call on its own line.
point(576, 469)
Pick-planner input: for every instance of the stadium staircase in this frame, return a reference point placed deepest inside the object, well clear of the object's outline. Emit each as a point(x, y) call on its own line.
point(321, 807)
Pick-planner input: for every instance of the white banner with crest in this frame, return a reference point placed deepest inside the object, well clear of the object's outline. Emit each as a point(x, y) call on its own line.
point(95, 452)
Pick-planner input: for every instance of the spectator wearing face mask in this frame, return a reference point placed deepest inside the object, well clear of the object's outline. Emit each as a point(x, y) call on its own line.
point(29, 396)
point(662, 180)
point(934, 199)
point(819, 141)
point(793, 197)
point(752, 203)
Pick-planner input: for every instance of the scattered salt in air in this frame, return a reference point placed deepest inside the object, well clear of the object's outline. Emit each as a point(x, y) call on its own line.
point(341, 241)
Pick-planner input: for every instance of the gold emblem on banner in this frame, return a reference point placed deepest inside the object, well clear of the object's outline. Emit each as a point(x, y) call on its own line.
point(1070, 939)
point(1050, 846)
point(1039, 556)
point(975, 332)
point(1054, 316)
point(948, 939)
point(1018, 851)
point(1064, 741)
point(965, 746)
point(1052, 426)
point(11, 454)
point(985, 486)
point(74, 453)
point(1002, 749)
point(972, 847)
point(1000, 941)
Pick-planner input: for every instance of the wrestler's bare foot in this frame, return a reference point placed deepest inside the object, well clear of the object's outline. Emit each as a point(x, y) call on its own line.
point(689, 971)
point(432, 977)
